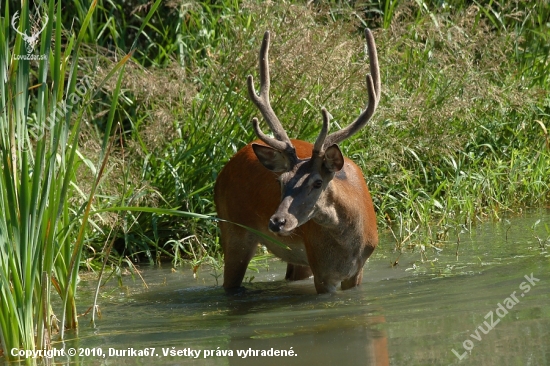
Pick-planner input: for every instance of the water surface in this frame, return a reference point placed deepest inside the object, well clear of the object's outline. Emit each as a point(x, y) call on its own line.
point(430, 309)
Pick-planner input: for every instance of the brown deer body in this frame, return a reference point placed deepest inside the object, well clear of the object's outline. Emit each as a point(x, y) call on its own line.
point(308, 197)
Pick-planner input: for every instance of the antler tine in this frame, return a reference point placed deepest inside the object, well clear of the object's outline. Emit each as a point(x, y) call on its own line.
point(373, 88)
point(15, 27)
point(276, 144)
point(264, 105)
point(45, 23)
point(318, 147)
point(373, 60)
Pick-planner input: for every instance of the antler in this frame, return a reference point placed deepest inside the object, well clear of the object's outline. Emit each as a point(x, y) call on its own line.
point(281, 141)
point(45, 25)
point(318, 147)
point(373, 88)
point(15, 28)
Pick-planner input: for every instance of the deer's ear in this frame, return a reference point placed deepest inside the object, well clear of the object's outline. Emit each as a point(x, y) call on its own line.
point(333, 160)
point(274, 160)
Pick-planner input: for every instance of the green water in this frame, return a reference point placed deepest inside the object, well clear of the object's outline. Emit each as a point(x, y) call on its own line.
point(415, 313)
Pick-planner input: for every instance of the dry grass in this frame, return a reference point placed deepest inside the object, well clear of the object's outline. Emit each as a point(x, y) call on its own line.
point(448, 82)
point(435, 71)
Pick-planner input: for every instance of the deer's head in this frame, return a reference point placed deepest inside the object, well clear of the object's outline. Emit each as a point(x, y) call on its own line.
point(304, 182)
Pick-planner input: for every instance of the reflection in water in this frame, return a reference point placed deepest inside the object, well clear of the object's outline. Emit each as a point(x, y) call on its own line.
point(320, 333)
point(413, 314)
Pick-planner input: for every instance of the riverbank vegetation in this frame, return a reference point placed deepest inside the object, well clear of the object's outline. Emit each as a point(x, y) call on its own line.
point(460, 134)
point(126, 174)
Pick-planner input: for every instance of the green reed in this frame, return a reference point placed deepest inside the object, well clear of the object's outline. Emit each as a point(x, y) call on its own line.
point(44, 100)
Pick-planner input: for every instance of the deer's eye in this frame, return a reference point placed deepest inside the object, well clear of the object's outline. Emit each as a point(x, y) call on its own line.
point(318, 184)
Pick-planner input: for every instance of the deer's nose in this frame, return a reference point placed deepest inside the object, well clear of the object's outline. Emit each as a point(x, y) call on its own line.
point(276, 223)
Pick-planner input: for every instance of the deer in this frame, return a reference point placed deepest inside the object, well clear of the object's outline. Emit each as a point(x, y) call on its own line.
point(308, 197)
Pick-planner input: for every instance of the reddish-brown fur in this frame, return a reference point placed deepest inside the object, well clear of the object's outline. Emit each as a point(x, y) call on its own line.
point(309, 197)
point(247, 193)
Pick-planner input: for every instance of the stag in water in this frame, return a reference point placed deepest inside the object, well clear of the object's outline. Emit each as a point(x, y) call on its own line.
point(307, 197)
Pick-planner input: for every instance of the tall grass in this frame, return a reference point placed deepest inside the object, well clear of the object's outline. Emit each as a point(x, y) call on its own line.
point(37, 229)
point(472, 75)
point(455, 139)
point(45, 97)
point(39, 245)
